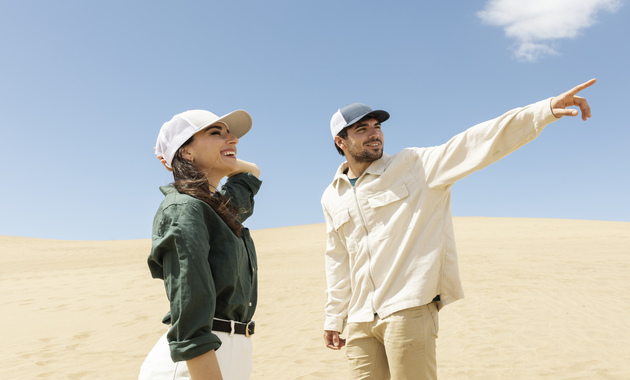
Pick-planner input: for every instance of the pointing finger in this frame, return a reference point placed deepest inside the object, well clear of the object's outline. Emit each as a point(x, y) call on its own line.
point(582, 86)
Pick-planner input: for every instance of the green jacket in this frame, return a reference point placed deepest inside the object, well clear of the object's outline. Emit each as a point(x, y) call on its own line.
point(208, 271)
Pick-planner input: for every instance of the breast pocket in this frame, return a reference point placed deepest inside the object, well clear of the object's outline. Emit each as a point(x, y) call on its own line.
point(341, 218)
point(391, 210)
point(389, 196)
point(342, 222)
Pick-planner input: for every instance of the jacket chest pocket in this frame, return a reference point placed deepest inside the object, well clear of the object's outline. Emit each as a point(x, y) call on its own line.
point(346, 229)
point(391, 211)
point(389, 196)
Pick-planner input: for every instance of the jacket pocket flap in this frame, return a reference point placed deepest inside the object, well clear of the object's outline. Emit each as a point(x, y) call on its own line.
point(341, 218)
point(389, 196)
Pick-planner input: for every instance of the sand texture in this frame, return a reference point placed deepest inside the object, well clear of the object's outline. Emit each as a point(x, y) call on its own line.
point(545, 299)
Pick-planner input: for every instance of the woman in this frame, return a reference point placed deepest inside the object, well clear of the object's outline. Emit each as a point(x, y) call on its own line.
point(202, 252)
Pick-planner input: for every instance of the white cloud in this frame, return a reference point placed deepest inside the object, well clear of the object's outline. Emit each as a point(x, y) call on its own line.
point(537, 24)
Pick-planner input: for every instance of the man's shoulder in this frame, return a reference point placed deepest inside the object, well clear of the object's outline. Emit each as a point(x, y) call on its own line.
point(404, 156)
point(410, 151)
point(329, 191)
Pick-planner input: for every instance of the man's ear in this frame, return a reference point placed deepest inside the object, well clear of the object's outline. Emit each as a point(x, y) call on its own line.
point(341, 143)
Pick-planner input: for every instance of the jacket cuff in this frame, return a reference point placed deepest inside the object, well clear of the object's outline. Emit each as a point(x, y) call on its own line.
point(543, 114)
point(334, 324)
point(190, 349)
point(247, 179)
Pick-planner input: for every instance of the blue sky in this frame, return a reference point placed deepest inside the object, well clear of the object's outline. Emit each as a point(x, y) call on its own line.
point(85, 87)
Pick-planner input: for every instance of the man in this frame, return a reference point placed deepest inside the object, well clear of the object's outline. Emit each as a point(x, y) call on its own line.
point(391, 261)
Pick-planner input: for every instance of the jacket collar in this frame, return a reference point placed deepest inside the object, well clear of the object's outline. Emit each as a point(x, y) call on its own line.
point(167, 189)
point(376, 168)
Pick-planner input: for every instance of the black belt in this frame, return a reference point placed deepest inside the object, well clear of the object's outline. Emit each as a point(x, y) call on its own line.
point(246, 329)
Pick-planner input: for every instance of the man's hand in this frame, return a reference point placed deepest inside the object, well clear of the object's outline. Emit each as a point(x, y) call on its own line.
point(332, 340)
point(569, 99)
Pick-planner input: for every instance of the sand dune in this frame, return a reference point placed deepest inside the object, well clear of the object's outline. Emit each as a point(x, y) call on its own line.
point(544, 299)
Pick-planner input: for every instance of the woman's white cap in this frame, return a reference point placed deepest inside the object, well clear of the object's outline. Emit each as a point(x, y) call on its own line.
point(175, 132)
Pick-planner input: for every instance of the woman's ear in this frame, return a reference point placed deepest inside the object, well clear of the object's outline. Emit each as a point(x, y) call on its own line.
point(187, 154)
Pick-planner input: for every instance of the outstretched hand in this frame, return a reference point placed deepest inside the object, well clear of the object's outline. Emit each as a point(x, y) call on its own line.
point(569, 99)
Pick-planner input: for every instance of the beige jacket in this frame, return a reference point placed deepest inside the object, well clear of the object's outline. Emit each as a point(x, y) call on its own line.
point(390, 242)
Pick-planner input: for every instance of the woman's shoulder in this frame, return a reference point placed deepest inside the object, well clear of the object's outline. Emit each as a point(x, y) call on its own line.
point(176, 202)
point(171, 195)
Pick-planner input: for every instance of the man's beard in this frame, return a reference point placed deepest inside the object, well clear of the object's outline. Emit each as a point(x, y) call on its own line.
point(365, 155)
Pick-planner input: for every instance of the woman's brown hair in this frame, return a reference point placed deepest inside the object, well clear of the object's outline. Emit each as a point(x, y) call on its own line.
point(192, 181)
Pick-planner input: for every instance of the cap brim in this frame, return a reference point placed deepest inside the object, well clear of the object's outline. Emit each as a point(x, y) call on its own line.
point(239, 122)
point(381, 116)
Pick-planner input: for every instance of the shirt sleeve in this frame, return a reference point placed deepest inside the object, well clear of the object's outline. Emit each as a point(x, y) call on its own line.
point(179, 256)
point(338, 291)
point(241, 189)
point(484, 143)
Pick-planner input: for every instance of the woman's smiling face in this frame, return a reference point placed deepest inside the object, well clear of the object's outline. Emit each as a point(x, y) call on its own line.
point(213, 150)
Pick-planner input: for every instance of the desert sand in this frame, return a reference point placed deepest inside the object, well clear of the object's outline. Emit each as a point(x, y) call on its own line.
point(545, 299)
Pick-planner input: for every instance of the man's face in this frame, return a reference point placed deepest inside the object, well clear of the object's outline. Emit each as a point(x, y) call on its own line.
point(365, 141)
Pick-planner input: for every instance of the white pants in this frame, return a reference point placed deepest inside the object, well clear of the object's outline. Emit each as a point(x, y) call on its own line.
point(234, 356)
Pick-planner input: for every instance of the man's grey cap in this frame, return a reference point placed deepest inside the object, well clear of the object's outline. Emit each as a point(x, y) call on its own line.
point(352, 113)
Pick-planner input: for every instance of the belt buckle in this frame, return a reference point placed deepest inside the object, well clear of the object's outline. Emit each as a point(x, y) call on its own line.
point(247, 326)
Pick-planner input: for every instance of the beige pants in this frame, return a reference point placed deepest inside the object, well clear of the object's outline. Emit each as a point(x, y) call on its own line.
point(400, 346)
